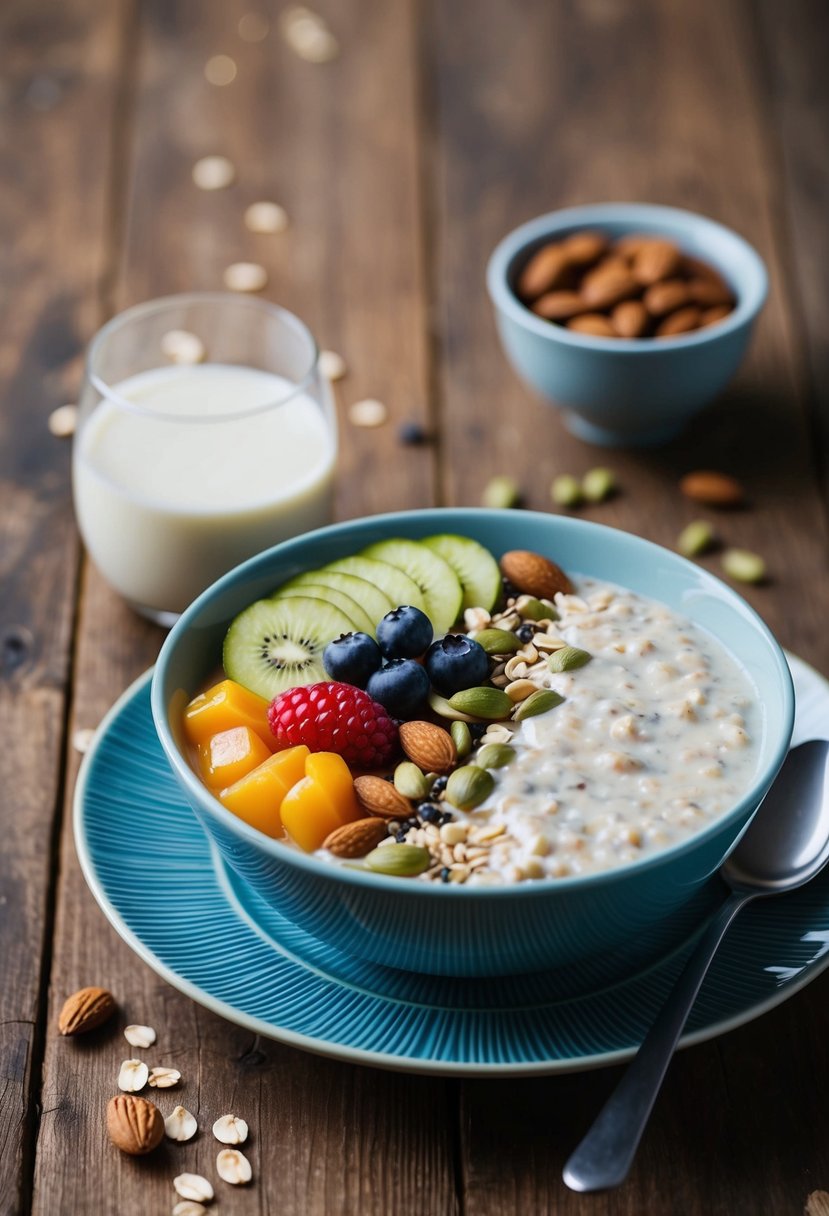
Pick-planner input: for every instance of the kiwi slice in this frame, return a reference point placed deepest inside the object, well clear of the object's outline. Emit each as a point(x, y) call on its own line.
point(391, 579)
point(277, 644)
point(356, 614)
point(372, 598)
point(474, 565)
point(438, 583)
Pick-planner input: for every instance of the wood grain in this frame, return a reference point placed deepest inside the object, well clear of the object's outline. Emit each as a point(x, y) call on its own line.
point(58, 84)
point(325, 1137)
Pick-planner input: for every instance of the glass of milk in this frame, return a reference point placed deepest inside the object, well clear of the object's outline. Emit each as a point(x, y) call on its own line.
point(206, 434)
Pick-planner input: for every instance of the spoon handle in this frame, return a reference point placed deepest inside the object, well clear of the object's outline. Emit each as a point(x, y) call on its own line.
point(605, 1155)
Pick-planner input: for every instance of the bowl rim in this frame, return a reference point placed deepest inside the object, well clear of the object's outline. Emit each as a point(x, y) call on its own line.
point(541, 887)
point(634, 215)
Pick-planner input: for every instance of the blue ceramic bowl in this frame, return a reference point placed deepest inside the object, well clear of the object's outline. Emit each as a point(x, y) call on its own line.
point(627, 391)
point(450, 929)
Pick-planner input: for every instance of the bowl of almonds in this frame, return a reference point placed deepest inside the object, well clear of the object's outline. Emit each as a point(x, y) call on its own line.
point(628, 317)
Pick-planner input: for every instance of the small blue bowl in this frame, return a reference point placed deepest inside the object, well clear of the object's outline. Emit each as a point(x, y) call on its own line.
point(448, 929)
point(627, 391)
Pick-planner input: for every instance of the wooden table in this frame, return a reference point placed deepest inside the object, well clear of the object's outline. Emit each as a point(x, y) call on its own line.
point(439, 127)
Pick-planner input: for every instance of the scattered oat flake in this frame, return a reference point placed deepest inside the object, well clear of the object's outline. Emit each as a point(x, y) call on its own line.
point(230, 1129)
point(133, 1076)
point(63, 420)
point(164, 1078)
point(139, 1036)
point(188, 1207)
point(213, 172)
point(245, 276)
point(254, 27)
point(82, 739)
point(180, 346)
point(332, 365)
point(193, 1186)
point(266, 217)
point(233, 1167)
point(180, 1125)
point(368, 412)
point(220, 70)
point(308, 35)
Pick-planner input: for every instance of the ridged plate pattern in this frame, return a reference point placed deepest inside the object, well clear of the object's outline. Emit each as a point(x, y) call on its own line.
point(165, 890)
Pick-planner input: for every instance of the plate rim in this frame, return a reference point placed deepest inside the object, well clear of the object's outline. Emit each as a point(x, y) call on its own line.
point(359, 1055)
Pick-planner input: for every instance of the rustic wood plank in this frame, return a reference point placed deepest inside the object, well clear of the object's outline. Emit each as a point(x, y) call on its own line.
point(58, 86)
point(325, 1137)
point(545, 106)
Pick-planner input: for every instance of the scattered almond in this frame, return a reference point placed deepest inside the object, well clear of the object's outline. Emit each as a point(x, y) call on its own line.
point(712, 489)
point(354, 839)
point(534, 574)
point(134, 1125)
point(180, 1125)
point(233, 1166)
point(133, 1076)
point(428, 746)
point(666, 297)
point(654, 260)
point(230, 1129)
point(543, 272)
point(139, 1036)
point(85, 1010)
point(379, 797)
point(163, 1078)
point(680, 322)
point(63, 421)
point(193, 1186)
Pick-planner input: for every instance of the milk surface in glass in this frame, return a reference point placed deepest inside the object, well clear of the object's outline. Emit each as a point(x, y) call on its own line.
point(212, 463)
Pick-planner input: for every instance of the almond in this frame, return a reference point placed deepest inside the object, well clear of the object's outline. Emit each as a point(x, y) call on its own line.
point(666, 297)
point(559, 305)
point(592, 323)
point(710, 316)
point(680, 322)
point(534, 574)
point(428, 746)
point(630, 319)
point(712, 489)
point(710, 293)
point(582, 248)
point(546, 269)
point(655, 260)
point(134, 1125)
point(85, 1010)
point(356, 839)
point(379, 797)
point(609, 283)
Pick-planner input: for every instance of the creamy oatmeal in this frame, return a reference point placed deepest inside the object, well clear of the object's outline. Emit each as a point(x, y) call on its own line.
point(656, 736)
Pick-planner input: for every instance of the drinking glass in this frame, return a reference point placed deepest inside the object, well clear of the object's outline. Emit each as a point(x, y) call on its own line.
point(206, 433)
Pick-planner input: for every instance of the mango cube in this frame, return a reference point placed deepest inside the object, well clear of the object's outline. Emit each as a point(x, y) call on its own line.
point(227, 756)
point(323, 800)
point(222, 707)
point(257, 797)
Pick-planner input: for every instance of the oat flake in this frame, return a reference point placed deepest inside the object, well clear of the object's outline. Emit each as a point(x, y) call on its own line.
point(63, 421)
point(266, 217)
point(332, 365)
point(368, 412)
point(180, 346)
point(245, 276)
point(213, 172)
point(139, 1036)
point(220, 70)
point(193, 1186)
point(233, 1167)
point(230, 1129)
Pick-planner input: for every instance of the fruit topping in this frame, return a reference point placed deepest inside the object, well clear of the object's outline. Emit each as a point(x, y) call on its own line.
point(456, 662)
point(257, 797)
point(229, 755)
point(439, 586)
point(474, 565)
point(321, 802)
point(334, 717)
point(401, 685)
point(222, 707)
point(352, 658)
point(404, 633)
point(276, 644)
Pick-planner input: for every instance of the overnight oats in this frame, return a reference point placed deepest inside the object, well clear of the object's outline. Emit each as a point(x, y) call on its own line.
point(493, 726)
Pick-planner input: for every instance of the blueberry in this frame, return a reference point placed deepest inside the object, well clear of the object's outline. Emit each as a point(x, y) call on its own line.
point(401, 686)
point(352, 658)
point(526, 633)
point(412, 434)
point(429, 812)
point(444, 874)
point(438, 786)
point(404, 633)
point(456, 662)
point(477, 729)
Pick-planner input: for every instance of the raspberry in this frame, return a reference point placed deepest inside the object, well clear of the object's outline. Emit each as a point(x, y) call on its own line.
point(334, 717)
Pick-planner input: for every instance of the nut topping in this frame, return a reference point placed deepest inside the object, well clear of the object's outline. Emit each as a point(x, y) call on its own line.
point(85, 1010)
point(134, 1125)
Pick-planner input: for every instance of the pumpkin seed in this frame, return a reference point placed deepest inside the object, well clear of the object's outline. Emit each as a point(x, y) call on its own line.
point(538, 703)
point(410, 781)
point(498, 641)
point(501, 492)
point(468, 786)
point(568, 658)
point(743, 565)
point(462, 738)
point(399, 860)
point(696, 538)
point(598, 484)
point(482, 702)
point(566, 491)
point(494, 755)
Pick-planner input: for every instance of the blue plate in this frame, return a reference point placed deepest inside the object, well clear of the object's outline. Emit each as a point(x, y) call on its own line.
point(170, 897)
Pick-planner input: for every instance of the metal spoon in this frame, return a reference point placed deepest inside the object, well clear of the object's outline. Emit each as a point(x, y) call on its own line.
point(785, 845)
